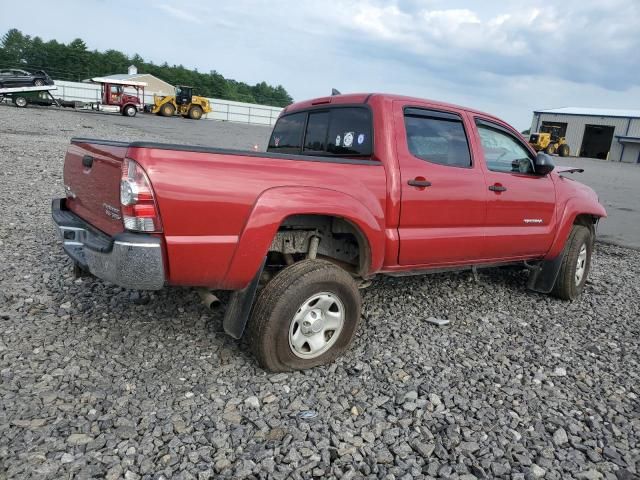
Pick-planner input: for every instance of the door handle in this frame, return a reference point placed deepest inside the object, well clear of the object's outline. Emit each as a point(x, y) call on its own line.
point(497, 188)
point(419, 183)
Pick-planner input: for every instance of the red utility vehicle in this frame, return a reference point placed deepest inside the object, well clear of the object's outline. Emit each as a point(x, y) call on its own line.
point(114, 98)
point(351, 186)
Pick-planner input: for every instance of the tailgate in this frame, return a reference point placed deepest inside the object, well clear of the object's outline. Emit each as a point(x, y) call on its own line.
point(92, 172)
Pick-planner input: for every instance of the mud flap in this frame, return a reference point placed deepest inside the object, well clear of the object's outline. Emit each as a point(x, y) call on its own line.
point(239, 307)
point(543, 277)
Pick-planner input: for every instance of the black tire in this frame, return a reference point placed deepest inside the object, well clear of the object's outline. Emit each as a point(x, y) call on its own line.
point(550, 150)
point(195, 113)
point(567, 287)
point(167, 110)
point(20, 102)
point(129, 111)
point(38, 82)
point(281, 299)
point(563, 150)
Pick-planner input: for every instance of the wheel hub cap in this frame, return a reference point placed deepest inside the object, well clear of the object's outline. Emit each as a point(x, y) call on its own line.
point(581, 264)
point(316, 326)
point(312, 323)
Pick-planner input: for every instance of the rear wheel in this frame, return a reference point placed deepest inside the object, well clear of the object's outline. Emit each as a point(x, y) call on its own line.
point(38, 82)
point(195, 113)
point(563, 150)
point(550, 150)
point(167, 110)
point(306, 316)
point(129, 111)
point(575, 264)
point(20, 102)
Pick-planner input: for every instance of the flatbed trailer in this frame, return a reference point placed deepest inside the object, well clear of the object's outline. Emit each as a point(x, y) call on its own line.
point(113, 97)
point(20, 95)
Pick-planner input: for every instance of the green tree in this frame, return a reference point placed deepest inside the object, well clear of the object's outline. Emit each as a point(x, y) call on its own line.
point(74, 61)
point(14, 44)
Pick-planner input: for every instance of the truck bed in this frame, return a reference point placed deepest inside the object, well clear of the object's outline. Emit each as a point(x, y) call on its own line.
point(206, 195)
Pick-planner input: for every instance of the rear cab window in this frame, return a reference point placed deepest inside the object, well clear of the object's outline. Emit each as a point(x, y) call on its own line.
point(287, 134)
point(315, 137)
point(344, 131)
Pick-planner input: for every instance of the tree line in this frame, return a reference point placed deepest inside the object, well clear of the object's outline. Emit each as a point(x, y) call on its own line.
point(75, 62)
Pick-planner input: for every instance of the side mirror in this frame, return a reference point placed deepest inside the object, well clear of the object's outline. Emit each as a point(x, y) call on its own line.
point(543, 164)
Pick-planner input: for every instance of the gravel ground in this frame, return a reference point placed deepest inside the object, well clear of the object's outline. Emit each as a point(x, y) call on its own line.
point(97, 381)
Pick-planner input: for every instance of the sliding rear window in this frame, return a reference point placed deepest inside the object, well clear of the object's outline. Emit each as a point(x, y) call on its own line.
point(337, 131)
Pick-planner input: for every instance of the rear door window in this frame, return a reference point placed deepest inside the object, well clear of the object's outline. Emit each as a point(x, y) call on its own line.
point(437, 137)
point(287, 134)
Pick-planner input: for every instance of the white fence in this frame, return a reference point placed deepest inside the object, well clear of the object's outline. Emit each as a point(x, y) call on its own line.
point(222, 109)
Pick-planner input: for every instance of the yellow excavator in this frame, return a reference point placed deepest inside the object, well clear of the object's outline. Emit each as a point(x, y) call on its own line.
point(183, 103)
point(549, 140)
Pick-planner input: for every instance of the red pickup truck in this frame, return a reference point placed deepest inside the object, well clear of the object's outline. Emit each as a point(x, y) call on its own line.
point(350, 186)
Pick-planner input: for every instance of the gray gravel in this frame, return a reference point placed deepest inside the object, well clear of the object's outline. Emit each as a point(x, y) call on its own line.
point(616, 184)
point(100, 382)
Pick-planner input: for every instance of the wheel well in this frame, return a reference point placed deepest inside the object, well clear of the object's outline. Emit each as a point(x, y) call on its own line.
point(340, 241)
point(588, 221)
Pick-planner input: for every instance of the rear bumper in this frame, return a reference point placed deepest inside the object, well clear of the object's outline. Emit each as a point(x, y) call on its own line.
point(131, 260)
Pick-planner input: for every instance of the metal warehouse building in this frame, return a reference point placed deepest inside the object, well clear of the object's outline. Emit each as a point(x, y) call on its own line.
point(606, 134)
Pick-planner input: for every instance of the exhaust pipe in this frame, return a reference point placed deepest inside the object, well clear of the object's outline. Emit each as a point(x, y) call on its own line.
point(209, 299)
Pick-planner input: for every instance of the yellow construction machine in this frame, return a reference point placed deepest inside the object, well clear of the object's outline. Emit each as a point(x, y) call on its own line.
point(549, 140)
point(183, 103)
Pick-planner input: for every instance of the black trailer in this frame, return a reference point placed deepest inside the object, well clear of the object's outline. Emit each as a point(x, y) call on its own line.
point(23, 96)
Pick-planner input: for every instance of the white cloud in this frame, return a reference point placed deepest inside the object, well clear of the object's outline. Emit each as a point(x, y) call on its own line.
point(180, 14)
point(578, 42)
point(507, 58)
point(432, 31)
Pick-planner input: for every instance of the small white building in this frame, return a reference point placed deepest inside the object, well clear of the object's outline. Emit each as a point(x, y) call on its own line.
point(154, 84)
point(603, 133)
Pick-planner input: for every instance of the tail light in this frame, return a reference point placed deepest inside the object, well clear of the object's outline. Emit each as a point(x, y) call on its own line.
point(138, 204)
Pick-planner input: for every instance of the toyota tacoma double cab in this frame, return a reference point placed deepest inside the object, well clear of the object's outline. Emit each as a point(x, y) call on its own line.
point(351, 186)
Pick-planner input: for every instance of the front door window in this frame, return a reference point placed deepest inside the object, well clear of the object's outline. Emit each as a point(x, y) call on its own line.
point(503, 153)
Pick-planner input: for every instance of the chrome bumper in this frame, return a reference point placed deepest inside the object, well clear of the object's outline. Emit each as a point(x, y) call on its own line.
point(130, 260)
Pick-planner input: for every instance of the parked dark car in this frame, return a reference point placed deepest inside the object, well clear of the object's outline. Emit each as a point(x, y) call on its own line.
point(21, 78)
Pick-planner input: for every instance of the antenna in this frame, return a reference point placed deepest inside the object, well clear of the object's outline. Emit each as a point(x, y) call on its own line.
point(335, 91)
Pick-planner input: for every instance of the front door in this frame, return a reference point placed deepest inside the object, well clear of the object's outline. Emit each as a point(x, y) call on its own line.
point(442, 210)
point(520, 203)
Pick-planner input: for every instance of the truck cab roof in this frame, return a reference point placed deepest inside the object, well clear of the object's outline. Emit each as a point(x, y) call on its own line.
point(364, 98)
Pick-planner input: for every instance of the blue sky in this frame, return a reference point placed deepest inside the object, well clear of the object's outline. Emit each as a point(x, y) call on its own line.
point(504, 57)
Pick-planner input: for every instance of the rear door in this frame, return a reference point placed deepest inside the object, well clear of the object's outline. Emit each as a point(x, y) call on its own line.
point(443, 207)
point(520, 204)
